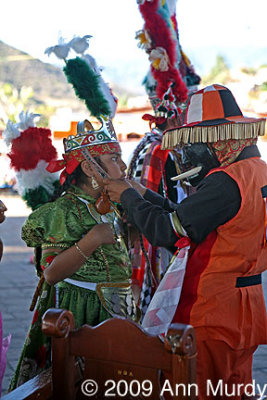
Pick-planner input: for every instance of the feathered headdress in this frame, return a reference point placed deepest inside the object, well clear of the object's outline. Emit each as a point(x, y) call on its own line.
point(160, 39)
point(85, 76)
point(31, 150)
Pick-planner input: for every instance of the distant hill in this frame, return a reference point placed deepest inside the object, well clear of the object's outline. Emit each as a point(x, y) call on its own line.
point(48, 82)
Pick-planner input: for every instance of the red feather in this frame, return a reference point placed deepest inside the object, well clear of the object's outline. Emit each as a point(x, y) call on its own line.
point(158, 29)
point(33, 145)
point(164, 78)
point(162, 36)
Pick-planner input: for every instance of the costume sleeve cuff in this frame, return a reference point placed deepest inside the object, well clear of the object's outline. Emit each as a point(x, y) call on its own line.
point(179, 231)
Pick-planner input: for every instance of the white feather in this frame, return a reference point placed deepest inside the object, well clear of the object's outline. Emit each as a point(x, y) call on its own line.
point(92, 63)
point(10, 133)
point(103, 85)
point(108, 96)
point(39, 176)
point(80, 44)
point(13, 130)
point(27, 120)
point(60, 50)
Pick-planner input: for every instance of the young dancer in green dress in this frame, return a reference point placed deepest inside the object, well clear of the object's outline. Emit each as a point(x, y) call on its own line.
point(85, 263)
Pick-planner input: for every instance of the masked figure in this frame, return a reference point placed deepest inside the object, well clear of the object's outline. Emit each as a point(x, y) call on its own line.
point(170, 79)
point(220, 233)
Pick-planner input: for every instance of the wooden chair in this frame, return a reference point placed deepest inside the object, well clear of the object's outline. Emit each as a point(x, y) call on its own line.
point(121, 358)
point(38, 388)
point(117, 353)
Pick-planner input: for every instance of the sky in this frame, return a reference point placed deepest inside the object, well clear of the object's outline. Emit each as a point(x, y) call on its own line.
point(32, 26)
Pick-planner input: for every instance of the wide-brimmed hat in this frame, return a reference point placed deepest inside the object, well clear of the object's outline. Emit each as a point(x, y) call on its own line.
point(213, 114)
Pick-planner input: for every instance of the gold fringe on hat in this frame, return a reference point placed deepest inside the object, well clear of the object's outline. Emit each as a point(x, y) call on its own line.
point(211, 134)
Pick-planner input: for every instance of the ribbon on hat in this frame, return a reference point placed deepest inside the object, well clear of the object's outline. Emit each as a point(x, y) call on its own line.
point(69, 163)
point(152, 118)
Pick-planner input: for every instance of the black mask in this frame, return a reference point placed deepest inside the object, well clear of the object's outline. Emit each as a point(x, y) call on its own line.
point(195, 155)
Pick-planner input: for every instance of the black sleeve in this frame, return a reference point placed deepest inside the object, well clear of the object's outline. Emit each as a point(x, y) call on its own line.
point(216, 201)
point(159, 200)
point(151, 219)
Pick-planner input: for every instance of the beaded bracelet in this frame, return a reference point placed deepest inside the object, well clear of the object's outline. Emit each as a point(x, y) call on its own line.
point(80, 251)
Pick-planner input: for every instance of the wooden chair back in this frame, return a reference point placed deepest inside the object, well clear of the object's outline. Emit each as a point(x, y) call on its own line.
point(121, 358)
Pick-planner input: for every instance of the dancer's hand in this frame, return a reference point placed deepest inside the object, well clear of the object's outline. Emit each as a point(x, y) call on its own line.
point(137, 186)
point(115, 188)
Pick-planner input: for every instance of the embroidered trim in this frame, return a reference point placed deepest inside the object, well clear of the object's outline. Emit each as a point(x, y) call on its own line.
point(109, 284)
point(112, 302)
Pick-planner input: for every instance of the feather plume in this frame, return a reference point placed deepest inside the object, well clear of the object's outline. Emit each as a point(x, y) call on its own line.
point(10, 133)
point(13, 130)
point(87, 86)
point(31, 151)
point(35, 198)
point(145, 41)
point(92, 63)
point(30, 179)
point(26, 120)
point(80, 44)
point(162, 31)
point(159, 59)
point(61, 50)
point(32, 145)
point(85, 76)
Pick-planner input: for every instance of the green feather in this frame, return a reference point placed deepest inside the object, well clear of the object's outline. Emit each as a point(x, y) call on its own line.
point(86, 86)
point(35, 198)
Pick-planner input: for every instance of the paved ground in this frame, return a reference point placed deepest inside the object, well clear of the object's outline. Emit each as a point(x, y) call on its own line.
point(18, 282)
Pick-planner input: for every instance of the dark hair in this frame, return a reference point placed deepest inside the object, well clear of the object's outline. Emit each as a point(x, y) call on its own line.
point(78, 176)
point(100, 163)
point(37, 260)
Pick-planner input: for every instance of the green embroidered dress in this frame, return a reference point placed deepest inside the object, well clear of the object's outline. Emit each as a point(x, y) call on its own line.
point(60, 224)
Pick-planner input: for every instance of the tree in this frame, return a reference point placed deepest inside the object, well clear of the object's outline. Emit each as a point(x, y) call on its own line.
point(219, 73)
point(13, 101)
